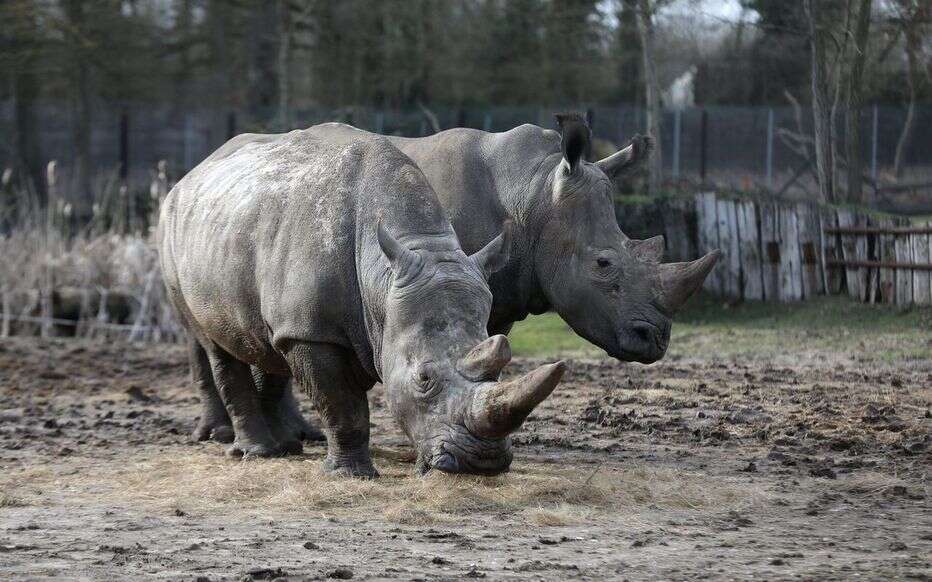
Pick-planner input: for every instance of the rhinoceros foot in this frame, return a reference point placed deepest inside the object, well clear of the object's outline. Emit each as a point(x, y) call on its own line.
point(358, 468)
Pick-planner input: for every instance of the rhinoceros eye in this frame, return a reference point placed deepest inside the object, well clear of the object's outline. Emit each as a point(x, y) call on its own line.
point(603, 262)
point(425, 377)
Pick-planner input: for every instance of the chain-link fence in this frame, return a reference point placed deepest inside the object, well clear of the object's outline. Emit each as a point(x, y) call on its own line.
point(740, 147)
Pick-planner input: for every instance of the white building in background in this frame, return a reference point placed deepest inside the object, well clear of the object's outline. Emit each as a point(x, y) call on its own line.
point(682, 92)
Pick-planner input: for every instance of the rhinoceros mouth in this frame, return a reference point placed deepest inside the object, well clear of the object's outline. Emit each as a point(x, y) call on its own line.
point(463, 452)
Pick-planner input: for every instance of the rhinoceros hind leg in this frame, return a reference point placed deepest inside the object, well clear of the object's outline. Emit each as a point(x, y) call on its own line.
point(337, 384)
point(271, 389)
point(214, 423)
point(241, 399)
point(290, 412)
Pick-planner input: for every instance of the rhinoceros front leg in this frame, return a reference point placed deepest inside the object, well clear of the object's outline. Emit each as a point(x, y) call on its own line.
point(241, 399)
point(214, 423)
point(334, 380)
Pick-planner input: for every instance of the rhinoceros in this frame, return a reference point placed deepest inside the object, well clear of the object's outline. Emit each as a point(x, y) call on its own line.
point(324, 255)
point(568, 254)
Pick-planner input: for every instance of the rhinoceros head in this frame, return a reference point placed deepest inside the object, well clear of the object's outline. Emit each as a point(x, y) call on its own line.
point(610, 289)
point(439, 366)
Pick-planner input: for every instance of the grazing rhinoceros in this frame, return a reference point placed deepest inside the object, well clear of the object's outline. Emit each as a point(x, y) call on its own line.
point(324, 255)
point(568, 253)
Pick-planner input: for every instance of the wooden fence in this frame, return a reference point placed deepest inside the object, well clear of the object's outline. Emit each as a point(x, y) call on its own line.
point(790, 252)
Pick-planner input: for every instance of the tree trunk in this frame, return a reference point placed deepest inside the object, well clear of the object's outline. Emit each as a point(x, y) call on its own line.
point(80, 105)
point(284, 65)
point(913, 44)
point(652, 92)
point(853, 105)
point(821, 102)
point(25, 137)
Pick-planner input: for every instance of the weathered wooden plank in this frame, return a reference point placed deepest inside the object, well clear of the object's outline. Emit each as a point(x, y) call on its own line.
point(831, 251)
point(676, 230)
point(708, 230)
point(729, 242)
point(791, 278)
point(849, 249)
point(809, 250)
point(920, 248)
point(770, 251)
point(904, 277)
point(751, 278)
point(887, 253)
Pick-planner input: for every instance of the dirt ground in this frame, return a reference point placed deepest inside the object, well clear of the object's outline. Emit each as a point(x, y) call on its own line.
point(809, 463)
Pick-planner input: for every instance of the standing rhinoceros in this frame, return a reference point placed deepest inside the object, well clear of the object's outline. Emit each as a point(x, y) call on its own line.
point(568, 253)
point(324, 255)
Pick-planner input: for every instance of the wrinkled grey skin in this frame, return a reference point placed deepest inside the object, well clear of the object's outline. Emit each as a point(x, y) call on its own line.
point(314, 255)
point(568, 254)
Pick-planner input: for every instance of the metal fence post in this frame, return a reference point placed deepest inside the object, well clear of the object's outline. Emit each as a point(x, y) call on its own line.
point(676, 143)
point(487, 122)
point(231, 125)
point(188, 154)
point(379, 122)
point(124, 145)
point(874, 146)
point(770, 147)
point(703, 143)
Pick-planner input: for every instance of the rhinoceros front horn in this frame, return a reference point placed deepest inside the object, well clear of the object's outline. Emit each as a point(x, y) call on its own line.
point(678, 281)
point(499, 409)
point(486, 360)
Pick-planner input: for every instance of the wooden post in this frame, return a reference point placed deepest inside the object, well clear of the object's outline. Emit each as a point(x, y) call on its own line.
point(6, 305)
point(920, 247)
point(708, 228)
point(676, 231)
point(751, 264)
point(904, 277)
point(810, 250)
point(730, 245)
point(770, 252)
point(831, 251)
point(887, 254)
point(849, 250)
point(791, 279)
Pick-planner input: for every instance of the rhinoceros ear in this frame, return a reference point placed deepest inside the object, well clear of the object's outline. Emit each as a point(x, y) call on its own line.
point(494, 255)
point(404, 261)
point(576, 141)
point(629, 159)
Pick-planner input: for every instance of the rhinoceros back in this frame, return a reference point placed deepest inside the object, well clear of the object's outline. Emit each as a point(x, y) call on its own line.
point(272, 238)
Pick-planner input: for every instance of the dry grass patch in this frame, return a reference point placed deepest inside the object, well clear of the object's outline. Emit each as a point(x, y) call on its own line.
point(537, 493)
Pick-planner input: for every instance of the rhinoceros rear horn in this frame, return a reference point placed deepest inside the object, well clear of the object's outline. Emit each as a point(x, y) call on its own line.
point(494, 255)
point(499, 409)
point(486, 360)
point(629, 159)
point(678, 281)
point(399, 257)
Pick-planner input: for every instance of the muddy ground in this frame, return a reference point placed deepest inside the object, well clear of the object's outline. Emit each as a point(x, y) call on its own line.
point(809, 464)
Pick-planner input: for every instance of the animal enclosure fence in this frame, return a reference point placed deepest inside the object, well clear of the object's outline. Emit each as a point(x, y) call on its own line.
point(775, 251)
